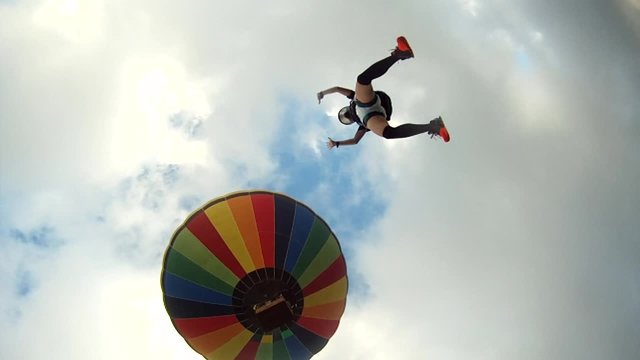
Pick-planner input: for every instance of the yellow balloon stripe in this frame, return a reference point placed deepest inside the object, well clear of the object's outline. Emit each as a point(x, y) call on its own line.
point(327, 254)
point(208, 343)
point(332, 293)
point(222, 219)
point(242, 209)
point(267, 339)
point(188, 245)
point(232, 348)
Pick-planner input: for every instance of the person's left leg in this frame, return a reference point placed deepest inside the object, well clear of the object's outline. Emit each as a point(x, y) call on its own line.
point(376, 70)
point(364, 90)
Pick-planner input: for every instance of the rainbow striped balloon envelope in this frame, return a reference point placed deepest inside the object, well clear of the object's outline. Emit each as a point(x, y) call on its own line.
point(255, 275)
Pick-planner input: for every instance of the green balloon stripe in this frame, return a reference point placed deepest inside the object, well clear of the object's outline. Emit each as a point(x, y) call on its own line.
point(188, 245)
point(329, 252)
point(280, 350)
point(317, 237)
point(179, 265)
point(265, 351)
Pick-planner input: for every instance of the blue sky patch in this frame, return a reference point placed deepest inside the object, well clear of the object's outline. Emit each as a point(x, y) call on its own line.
point(25, 283)
point(43, 237)
point(190, 202)
point(523, 59)
point(186, 123)
point(150, 185)
point(308, 174)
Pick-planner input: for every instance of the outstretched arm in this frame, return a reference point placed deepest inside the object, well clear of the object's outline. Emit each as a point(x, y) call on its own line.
point(356, 138)
point(336, 89)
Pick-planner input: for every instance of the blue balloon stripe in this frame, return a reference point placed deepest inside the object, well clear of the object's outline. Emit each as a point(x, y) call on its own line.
point(178, 287)
point(181, 308)
point(310, 340)
point(296, 349)
point(284, 213)
point(301, 228)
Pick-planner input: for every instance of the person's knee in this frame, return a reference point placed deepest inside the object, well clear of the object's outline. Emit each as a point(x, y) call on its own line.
point(389, 132)
point(364, 79)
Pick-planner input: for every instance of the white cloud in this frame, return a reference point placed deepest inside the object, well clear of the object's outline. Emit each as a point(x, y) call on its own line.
point(153, 89)
point(471, 6)
point(630, 9)
point(537, 36)
point(74, 20)
point(87, 307)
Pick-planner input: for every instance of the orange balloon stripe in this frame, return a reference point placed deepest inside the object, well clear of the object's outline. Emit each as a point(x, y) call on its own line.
point(222, 219)
point(208, 343)
point(330, 311)
point(321, 327)
point(242, 210)
point(194, 327)
point(233, 347)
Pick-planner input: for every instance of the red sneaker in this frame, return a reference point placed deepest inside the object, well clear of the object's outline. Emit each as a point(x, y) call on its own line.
point(442, 130)
point(444, 134)
point(403, 50)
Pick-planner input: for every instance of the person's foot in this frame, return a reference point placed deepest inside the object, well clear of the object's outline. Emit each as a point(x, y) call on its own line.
point(403, 50)
point(439, 129)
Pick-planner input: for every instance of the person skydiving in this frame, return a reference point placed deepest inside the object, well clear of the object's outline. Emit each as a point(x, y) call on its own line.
point(371, 110)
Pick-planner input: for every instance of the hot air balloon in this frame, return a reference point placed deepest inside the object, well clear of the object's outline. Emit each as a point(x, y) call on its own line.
point(254, 275)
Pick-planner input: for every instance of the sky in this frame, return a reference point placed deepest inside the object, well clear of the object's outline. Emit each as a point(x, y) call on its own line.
point(519, 239)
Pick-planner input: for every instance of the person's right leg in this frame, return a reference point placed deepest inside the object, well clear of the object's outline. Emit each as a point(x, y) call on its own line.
point(381, 127)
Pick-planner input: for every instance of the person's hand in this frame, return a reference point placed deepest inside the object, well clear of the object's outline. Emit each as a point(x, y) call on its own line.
point(320, 95)
point(331, 143)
